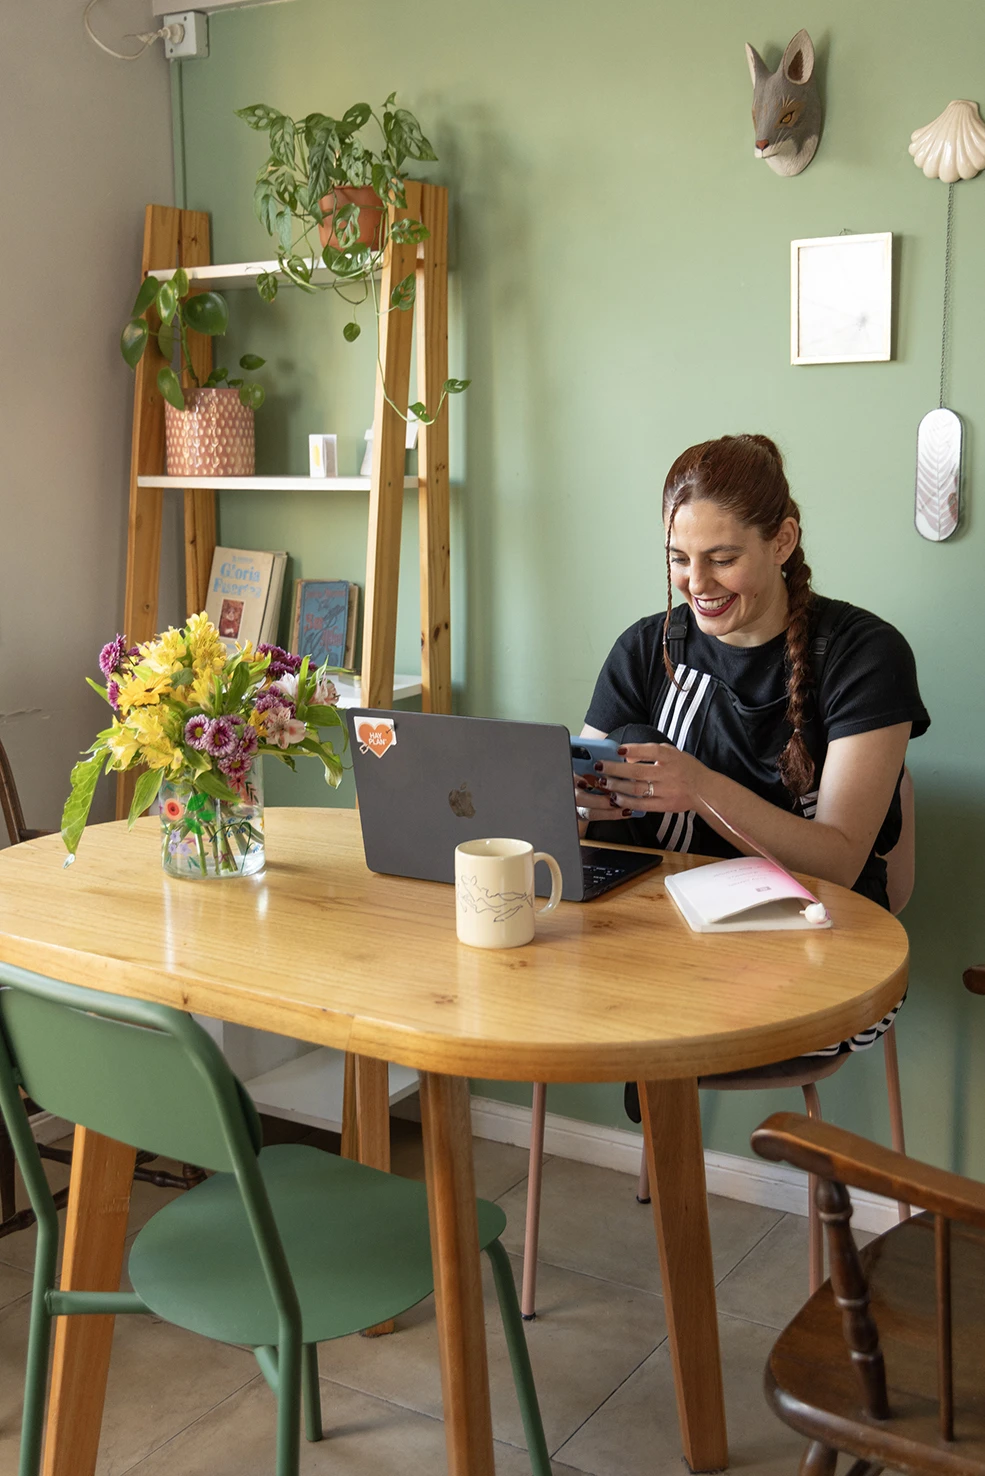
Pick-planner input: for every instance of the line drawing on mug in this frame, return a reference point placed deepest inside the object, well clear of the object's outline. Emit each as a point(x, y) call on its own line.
point(503, 904)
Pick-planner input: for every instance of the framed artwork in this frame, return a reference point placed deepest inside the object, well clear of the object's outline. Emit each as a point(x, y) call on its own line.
point(841, 294)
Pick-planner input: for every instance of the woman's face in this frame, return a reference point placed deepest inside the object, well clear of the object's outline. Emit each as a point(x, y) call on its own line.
point(729, 574)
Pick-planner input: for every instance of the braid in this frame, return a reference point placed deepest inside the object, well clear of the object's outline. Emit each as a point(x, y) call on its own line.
point(795, 763)
point(668, 664)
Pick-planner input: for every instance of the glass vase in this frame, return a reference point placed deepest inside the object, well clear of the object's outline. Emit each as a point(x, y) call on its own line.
point(203, 837)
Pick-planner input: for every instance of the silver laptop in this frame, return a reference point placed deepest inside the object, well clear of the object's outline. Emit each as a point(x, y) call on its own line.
point(425, 782)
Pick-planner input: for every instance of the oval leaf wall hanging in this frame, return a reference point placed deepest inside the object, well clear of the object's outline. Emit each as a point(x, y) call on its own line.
point(938, 475)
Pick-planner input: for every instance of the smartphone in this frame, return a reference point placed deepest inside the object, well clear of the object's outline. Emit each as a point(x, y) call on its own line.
point(587, 752)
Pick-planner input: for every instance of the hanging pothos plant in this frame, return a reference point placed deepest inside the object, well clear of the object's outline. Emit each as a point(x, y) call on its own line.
point(323, 179)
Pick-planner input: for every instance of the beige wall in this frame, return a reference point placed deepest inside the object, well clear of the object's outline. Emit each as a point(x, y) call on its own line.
point(87, 143)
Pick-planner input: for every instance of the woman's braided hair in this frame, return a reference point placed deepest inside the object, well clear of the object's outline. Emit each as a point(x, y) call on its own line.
point(744, 476)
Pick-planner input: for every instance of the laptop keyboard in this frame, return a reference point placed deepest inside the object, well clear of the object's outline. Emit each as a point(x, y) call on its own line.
point(601, 875)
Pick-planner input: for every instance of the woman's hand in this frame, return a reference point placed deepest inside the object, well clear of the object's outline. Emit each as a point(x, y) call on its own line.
point(598, 804)
point(655, 777)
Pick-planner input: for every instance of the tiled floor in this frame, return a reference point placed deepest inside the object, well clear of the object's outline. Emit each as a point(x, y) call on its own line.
point(180, 1406)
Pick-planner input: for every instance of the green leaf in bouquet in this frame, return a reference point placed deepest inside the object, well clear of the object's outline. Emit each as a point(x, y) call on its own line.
point(213, 785)
point(146, 295)
point(85, 776)
point(207, 313)
point(183, 678)
point(97, 688)
point(133, 341)
point(238, 684)
point(145, 793)
point(324, 716)
point(170, 386)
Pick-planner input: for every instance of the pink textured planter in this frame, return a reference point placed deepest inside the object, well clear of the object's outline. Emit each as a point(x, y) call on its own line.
point(211, 437)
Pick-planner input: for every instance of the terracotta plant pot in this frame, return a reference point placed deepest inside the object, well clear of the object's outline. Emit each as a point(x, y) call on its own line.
point(370, 215)
point(211, 437)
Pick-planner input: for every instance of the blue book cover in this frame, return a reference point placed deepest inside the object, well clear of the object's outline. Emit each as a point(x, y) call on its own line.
point(321, 620)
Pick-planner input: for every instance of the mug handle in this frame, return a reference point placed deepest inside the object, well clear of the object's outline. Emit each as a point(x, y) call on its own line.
point(556, 883)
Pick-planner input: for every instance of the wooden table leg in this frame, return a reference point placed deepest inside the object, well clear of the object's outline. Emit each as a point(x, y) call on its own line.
point(672, 1129)
point(447, 1123)
point(95, 1232)
point(370, 1093)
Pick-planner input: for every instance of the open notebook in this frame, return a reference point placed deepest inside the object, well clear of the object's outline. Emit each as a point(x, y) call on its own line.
point(746, 894)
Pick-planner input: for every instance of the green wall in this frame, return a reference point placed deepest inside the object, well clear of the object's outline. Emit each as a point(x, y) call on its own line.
point(620, 290)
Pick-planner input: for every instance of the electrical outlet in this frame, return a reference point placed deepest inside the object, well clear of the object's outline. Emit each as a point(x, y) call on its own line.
point(194, 34)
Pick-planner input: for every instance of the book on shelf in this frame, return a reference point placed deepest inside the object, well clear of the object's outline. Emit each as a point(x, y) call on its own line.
point(747, 894)
point(325, 617)
point(243, 601)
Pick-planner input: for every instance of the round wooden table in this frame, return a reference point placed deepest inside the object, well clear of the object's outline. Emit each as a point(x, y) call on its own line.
point(320, 948)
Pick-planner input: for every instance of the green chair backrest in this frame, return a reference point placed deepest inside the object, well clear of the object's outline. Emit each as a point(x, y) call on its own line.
point(142, 1073)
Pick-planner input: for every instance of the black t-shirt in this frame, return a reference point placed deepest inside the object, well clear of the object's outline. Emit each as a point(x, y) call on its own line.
point(728, 708)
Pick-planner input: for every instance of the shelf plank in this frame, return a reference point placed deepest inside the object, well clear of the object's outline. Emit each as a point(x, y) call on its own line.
point(271, 484)
point(309, 1089)
point(228, 276)
point(350, 690)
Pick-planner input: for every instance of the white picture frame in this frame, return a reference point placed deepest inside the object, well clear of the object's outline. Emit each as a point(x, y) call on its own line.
point(841, 299)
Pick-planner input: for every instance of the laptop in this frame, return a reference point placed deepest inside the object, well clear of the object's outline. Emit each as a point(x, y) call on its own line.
point(425, 782)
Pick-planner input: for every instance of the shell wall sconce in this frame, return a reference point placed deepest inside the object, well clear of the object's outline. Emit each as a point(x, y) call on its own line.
point(786, 109)
point(953, 146)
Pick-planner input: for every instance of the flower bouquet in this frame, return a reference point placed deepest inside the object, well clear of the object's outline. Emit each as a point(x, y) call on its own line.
point(197, 721)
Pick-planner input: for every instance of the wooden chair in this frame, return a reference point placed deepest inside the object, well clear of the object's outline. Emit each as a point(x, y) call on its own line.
point(886, 1362)
point(801, 1072)
point(12, 1219)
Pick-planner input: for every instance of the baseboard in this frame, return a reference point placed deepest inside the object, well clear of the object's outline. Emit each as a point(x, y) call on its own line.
point(754, 1181)
point(48, 1129)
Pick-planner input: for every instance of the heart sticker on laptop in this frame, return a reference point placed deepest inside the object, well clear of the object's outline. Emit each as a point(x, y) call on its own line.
point(375, 737)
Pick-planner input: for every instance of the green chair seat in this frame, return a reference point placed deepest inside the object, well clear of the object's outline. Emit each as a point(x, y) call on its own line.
point(196, 1262)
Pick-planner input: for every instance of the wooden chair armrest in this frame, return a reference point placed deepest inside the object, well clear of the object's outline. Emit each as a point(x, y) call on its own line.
point(831, 1153)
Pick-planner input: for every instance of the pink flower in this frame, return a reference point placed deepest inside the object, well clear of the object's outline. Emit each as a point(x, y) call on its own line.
point(296, 730)
point(326, 693)
point(276, 721)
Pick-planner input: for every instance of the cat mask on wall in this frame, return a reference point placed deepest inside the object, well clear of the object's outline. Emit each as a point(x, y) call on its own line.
point(786, 110)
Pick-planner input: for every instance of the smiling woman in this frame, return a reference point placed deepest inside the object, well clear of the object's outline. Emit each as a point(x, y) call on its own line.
point(756, 698)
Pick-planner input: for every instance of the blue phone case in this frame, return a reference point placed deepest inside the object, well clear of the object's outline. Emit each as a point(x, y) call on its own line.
point(587, 752)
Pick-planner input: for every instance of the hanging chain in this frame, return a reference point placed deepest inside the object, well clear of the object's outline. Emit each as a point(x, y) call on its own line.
point(946, 316)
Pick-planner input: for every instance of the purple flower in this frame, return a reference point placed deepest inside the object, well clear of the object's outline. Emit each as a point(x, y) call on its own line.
point(272, 698)
point(248, 743)
point(235, 767)
point(281, 661)
point(113, 694)
point(196, 731)
point(111, 656)
point(221, 739)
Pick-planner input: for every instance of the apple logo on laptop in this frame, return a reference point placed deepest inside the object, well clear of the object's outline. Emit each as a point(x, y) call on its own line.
point(461, 802)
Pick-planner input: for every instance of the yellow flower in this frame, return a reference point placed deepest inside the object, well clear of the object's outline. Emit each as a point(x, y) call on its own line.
point(208, 652)
point(123, 745)
point(198, 693)
point(255, 720)
point(144, 688)
point(166, 653)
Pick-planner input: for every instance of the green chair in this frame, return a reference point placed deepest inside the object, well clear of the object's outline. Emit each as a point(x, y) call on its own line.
point(280, 1250)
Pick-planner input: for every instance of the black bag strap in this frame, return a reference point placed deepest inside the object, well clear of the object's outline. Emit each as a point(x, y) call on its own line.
point(676, 634)
point(832, 617)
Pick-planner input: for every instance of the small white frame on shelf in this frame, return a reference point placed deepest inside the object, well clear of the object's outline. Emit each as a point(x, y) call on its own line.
point(841, 299)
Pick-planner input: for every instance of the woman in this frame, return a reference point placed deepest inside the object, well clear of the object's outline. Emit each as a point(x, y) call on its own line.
point(786, 713)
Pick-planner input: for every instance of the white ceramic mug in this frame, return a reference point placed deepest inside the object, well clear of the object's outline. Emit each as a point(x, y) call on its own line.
point(494, 892)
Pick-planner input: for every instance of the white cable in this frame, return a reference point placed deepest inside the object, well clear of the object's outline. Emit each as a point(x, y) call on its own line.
point(173, 32)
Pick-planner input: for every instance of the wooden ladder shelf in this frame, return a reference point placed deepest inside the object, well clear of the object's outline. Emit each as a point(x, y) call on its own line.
point(174, 238)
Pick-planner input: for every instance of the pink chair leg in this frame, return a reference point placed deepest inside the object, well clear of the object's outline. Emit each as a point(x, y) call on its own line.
point(815, 1252)
point(643, 1187)
point(895, 1102)
point(535, 1174)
